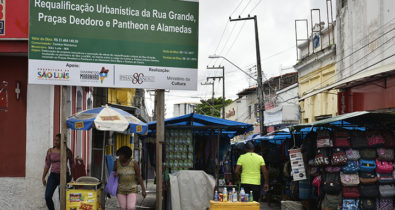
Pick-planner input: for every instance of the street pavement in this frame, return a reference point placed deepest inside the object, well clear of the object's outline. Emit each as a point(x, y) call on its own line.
point(150, 201)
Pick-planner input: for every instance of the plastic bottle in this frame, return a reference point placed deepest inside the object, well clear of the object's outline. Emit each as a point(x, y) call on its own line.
point(216, 196)
point(230, 196)
point(242, 195)
point(225, 195)
point(234, 196)
point(251, 198)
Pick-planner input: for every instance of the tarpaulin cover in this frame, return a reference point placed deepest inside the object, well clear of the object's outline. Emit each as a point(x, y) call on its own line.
point(191, 190)
point(228, 127)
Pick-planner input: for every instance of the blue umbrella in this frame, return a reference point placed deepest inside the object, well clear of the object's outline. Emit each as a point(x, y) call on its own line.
point(107, 119)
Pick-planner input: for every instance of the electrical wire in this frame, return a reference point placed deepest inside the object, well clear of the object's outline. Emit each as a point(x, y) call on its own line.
point(249, 1)
point(256, 5)
point(241, 1)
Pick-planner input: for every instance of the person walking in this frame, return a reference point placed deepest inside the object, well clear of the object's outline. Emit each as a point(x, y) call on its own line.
point(129, 174)
point(52, 161)
point(251, 165)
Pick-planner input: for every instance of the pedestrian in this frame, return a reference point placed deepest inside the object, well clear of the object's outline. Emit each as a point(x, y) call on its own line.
point(251, 165)
point(52, 160)
point(129, 174)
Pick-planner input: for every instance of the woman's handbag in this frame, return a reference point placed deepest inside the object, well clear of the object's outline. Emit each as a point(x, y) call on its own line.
point(112, 184)
point(369, 191)
point(351, 167)
point(367, 177)
point(368, 204)
point(350, 192)
point(342, 139)
point(385, 178)
point(317, 183)
point(389, 139)
point(384, 167)
point(324, 138)
point(367, 165)
point(385, 154)
point(352, 154)
point(339, 157)
point(321, 159)
point(375, 139)
point(385, 204)
point(358, 140)
point(349, 180)
point(387, 190)
point(369, 154)
point(332, 184)
point(332, 169)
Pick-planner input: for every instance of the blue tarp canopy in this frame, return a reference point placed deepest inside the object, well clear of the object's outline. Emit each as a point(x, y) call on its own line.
point(205, 125)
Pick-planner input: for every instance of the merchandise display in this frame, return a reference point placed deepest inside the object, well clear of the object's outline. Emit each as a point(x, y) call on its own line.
point(179, 149)
point(356, 171)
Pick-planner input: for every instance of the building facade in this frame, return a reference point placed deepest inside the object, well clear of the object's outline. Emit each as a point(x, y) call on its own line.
point(183, 109)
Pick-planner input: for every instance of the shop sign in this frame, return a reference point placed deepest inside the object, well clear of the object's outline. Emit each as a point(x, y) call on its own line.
point(115, 44)
point(297, 164)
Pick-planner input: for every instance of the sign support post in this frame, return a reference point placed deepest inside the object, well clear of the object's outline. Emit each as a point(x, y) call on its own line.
point(160, 133)
point(63, 151)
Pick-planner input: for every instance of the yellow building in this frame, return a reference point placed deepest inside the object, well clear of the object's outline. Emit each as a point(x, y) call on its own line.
point(322, 105)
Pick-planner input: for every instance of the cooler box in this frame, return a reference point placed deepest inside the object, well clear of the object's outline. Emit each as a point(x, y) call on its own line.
point(83, 196)
point(234, 205)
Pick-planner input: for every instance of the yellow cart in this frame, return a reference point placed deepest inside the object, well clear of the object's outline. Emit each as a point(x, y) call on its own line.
point(214, 205)
point(84, 194)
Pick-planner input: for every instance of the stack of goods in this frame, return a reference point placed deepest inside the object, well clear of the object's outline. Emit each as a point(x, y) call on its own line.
point(179, 150)
point(233, 196)
point(354, 169)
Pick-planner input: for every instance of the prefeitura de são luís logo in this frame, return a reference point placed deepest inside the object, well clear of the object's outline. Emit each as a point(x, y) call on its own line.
point(52, 74)
point(103, 74)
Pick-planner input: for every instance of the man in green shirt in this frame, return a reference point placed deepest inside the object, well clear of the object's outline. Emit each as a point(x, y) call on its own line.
point(251, 165)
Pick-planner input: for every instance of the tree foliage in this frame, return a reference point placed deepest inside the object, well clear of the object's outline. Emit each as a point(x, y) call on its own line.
point(207, 107)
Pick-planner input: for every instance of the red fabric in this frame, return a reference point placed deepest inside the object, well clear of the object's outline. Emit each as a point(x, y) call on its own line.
point(350, 192)
point(79, 169)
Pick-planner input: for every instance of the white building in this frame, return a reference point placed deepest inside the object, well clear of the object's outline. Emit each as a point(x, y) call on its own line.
point(183, 109)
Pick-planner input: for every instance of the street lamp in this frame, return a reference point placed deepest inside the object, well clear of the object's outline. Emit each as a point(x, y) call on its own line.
point(259, 91)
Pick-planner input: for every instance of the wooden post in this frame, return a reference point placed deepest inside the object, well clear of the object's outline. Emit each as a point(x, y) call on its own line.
point(160, 134)
point(63, 152)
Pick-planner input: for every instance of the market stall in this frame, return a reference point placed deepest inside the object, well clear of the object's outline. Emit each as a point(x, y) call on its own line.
point(198, 142)
point(349, 162)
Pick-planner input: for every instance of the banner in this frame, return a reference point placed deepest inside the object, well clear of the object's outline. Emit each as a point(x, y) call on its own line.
point(124, 44)
point(297, 164)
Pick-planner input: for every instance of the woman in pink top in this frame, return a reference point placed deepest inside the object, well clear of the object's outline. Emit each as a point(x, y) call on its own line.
point(52, 160)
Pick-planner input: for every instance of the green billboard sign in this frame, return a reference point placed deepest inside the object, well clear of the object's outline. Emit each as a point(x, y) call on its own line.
point(117, 43)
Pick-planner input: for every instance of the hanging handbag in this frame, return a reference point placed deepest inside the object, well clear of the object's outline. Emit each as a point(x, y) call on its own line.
point(385, 204)
point(374, 139)
point(367, 165)
point(385, 178)
point(369, 154)
point(338, 157)
point(332, 169)
point(332, 184)
point(367, 204)
point(352, 154)
point(384, 167)
point(387, 190)
point(349, 180)
point(385, 154)
point(321, 158)
point(351, 167)
point(369, 191)
point(389, 139)
point(350, 204)
point(342, 139)
point(350, 192)
point(358, 139)
point(317, 183)
point(314, 171)
point(324, 138)
point(367, 177)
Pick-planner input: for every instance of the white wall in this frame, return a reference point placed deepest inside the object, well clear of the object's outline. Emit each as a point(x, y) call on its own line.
point(358, 24)
point(28, 192)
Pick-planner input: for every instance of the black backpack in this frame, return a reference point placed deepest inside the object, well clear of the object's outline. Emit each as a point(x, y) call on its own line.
point(358, 140)
point(367, 204)
point(332, 184)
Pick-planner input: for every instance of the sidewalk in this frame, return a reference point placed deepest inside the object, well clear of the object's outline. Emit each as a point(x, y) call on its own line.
point(148, 203)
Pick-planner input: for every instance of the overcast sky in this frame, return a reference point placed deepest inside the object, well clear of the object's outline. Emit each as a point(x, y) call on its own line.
point(236, 41)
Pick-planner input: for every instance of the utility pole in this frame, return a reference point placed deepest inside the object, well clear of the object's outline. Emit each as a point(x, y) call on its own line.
point(223, 87)
point(259, 70)
point(63, 151)
point(212, 97)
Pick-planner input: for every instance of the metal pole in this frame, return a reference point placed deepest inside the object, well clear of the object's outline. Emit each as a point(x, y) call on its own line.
point(160, 133)
point(63, 152)
point(223, 92)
